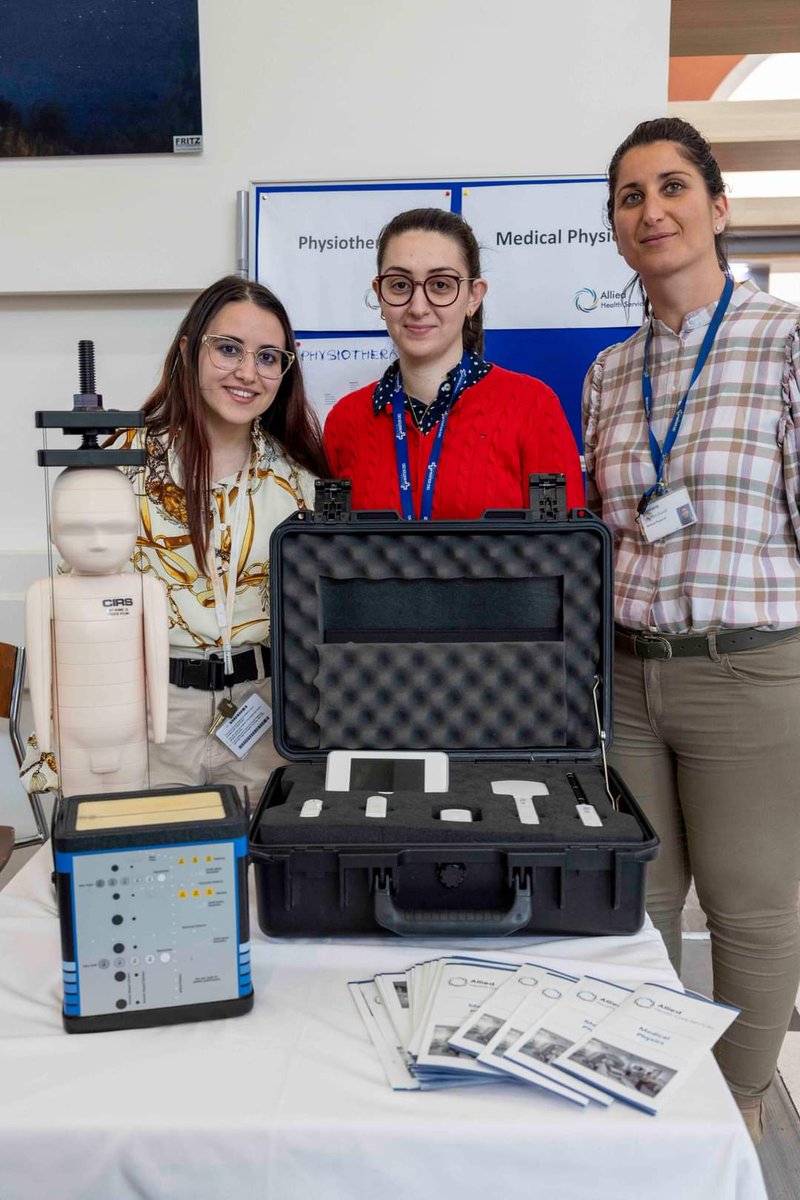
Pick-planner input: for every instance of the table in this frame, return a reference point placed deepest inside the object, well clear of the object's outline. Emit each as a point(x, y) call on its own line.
point(290, 1101)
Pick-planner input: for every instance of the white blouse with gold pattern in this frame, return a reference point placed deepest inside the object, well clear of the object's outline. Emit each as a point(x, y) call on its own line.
point(275, 488)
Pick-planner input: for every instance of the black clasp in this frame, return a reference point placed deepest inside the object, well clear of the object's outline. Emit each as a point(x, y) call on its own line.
point(332, 500)
point(548, 497)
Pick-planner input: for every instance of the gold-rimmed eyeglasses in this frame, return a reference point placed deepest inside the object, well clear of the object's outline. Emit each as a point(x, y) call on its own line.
point(440, 290)
point(227, 353)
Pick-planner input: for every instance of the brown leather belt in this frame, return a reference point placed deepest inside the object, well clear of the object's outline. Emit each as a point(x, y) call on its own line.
point(645, 644)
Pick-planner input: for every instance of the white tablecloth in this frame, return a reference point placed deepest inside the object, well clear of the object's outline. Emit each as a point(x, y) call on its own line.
point(290, 1101)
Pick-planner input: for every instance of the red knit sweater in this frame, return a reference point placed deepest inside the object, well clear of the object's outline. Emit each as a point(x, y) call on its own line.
point(502, 429)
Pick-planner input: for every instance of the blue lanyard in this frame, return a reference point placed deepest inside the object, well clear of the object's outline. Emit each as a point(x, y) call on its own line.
point(660, 454)
point(401, 445)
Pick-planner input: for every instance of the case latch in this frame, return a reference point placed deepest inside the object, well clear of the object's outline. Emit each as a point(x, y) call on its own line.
point(548, 497)
point(332, 500)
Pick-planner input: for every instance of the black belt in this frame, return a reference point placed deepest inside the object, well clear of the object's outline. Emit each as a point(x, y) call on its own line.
point(208, 674)
point(645, 644)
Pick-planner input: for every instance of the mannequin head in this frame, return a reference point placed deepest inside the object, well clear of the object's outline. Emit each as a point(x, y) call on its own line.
point(94, 521)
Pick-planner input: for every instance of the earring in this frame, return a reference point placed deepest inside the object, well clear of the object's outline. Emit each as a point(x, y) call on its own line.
point(718, 228)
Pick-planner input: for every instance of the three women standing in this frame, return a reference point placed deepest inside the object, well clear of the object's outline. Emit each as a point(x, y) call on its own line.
point(692, 458)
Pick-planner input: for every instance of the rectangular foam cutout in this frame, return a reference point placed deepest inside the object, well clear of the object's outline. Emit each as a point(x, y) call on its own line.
point(131, 811)
point(443, 610)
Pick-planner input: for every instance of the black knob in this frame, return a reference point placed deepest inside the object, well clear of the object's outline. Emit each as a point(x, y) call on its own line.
point(451, 875)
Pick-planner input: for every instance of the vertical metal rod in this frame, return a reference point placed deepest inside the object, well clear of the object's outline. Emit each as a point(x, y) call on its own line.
point(242, 234)
point(602, 735)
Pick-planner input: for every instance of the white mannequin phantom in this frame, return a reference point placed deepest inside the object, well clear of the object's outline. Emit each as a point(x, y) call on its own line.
point(97, 640)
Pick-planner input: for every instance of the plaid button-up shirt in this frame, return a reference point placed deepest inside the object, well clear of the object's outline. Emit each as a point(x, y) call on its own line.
point(737, 453)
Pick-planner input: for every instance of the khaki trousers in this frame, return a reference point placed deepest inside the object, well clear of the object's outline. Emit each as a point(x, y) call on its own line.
point(192, 756)
point(710, 747)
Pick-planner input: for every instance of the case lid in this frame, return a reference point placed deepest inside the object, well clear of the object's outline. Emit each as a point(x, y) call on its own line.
point(488, 639)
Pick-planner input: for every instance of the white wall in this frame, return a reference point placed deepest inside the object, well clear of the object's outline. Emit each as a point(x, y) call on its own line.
point(112, 249)
point(326, 89)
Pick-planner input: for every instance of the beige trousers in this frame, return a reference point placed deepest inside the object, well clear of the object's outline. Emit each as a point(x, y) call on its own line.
point(710, 747)
point(191, 755)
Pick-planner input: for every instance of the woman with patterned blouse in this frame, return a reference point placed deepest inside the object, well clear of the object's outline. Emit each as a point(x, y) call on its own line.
point(692, 458)
point(232, 450)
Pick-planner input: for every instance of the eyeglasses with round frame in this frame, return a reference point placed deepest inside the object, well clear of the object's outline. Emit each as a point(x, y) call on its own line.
point(228, 353)
point(440, 290)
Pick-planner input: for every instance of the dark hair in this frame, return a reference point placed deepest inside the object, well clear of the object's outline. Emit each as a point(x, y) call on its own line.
point(694, 148)
point(176, 407)
point(452, 225)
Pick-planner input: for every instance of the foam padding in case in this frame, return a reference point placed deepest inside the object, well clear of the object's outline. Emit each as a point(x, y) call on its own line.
point(487, 639)
point(433, 692)
point(412, 818)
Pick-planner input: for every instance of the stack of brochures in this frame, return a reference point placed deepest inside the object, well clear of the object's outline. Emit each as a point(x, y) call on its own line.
point(475, 1020)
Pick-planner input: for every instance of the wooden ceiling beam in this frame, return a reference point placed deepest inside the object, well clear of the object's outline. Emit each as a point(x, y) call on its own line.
point(747, 135)
point(775, 214)
point(734, 27)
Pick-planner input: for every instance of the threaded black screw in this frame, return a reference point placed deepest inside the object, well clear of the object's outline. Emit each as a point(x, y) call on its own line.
point(86, 367)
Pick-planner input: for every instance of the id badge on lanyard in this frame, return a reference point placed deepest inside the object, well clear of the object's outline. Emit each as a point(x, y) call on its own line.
point(666, 514)
point(661, 511)
point(401, 446)
point(225, 597)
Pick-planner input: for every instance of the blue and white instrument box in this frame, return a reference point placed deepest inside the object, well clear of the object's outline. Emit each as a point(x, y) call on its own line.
point(152, 897)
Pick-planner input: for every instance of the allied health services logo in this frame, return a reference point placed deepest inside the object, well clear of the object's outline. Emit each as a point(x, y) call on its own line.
point(586, 300)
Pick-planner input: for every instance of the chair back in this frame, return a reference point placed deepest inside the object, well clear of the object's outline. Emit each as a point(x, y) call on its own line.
point(12, 679)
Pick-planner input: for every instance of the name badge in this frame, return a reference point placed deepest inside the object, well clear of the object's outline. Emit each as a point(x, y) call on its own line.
point(667, 514)
point(249, 723)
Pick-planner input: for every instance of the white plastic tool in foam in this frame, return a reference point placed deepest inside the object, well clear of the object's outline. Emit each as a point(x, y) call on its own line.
point(523, 791)
point(311, 808)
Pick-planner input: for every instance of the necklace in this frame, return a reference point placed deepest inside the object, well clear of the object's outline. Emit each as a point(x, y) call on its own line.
point(417, 417)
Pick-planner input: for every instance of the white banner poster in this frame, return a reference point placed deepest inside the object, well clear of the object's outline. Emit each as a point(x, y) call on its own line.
point(316, 249)
point(332, 367)
point(555, 278)
point(549, 255)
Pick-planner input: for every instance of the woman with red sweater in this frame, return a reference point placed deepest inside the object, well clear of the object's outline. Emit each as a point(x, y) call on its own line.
point(444, 433)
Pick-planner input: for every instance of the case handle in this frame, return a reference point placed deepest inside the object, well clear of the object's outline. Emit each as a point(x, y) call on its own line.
point(456, 922)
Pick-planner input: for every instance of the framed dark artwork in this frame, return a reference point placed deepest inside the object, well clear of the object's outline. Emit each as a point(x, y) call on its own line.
point(100, 77)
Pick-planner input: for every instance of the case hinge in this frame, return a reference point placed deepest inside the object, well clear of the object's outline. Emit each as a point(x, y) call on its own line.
point(332, 500)
point(548, 497)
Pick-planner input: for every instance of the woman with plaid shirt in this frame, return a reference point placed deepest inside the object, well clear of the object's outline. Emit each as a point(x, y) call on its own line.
point(692, 459)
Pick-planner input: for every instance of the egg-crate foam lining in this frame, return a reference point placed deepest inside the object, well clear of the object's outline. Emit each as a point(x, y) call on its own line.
point(487, 639)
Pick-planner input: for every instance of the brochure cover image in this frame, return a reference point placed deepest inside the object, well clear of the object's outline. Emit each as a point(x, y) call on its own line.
point(630, 1070)
point(645, 1049)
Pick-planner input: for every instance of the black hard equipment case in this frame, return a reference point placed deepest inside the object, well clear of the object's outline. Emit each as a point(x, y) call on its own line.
point(488, 639)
